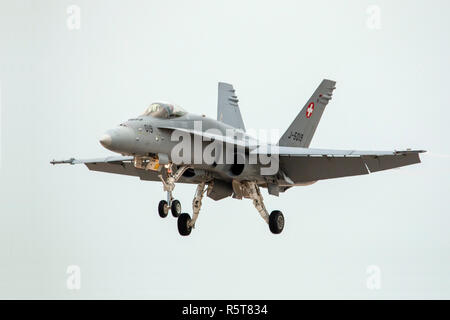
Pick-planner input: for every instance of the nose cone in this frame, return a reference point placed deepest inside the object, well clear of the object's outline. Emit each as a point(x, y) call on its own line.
point(106, 140)
point(121, 140)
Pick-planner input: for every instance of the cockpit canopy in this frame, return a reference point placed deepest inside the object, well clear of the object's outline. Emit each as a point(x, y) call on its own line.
point(164, 110)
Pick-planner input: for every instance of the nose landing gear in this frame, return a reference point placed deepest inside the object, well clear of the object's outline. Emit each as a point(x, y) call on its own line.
point(168, 185)
point(172, 204)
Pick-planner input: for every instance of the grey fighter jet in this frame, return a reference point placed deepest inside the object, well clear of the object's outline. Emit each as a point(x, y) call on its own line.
point(169, 145)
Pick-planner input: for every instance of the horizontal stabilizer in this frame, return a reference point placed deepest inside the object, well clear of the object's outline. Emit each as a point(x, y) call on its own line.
point(298, 152)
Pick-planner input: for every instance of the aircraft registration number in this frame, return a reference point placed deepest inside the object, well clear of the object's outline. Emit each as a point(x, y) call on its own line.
point(295, 136)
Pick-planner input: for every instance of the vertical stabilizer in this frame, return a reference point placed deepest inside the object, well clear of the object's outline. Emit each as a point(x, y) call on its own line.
point(302, 129)
point(227, 106)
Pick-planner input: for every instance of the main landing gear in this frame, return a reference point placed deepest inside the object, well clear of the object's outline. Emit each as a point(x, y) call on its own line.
point(185, 223)
point(249, 189)
point(245, 189)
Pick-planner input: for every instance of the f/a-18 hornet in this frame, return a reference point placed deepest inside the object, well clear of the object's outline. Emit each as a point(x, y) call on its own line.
point(170, 145)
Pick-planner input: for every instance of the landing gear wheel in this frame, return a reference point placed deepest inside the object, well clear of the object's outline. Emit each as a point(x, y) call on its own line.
point(183, 224)
point(276, 221)
point(176, 208)
point(163, 208)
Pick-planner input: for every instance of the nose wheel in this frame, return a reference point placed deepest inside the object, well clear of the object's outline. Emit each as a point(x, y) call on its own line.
point(173, 205)
point(163, 208)
point(175, 208)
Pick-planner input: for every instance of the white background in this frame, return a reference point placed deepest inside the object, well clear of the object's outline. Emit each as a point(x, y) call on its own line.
point(61, 89)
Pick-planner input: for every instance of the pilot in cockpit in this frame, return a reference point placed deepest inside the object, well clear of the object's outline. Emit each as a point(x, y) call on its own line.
point(164, 110)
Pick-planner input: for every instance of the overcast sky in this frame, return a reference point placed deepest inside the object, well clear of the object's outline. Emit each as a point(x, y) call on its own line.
point(64, 81)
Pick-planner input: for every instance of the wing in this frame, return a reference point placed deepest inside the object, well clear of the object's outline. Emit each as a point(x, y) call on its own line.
point(114, 164)
point(305, 165)
point(120, 165)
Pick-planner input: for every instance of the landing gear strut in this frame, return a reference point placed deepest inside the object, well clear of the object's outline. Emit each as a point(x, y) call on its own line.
point(185, 223)
point(275, 220)
point(168, 185)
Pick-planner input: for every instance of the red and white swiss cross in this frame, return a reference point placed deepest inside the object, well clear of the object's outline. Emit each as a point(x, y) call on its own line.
point(310, 110)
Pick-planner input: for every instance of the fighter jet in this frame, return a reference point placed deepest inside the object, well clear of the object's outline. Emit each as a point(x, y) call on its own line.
point(169, 145)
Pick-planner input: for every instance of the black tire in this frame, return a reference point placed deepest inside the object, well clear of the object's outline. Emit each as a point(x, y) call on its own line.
point(182, 222)
point(163, 208)
point(276, 221)
point(175, 208)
